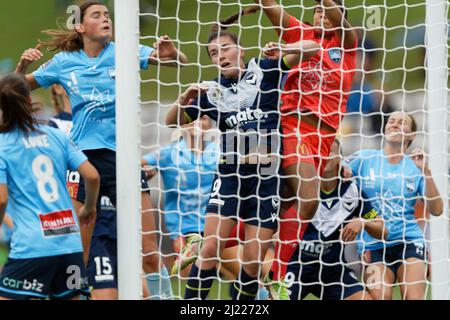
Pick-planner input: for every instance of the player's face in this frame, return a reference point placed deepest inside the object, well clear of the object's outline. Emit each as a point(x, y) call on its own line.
point(227, 55)
point(320, 20)
point(334, 160)
point(399, 128)
point(97, 24)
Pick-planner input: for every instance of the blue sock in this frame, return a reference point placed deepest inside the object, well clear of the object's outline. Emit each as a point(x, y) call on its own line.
point(263, 294)
point(199, 283)
point(159, 285)
point(245, 288)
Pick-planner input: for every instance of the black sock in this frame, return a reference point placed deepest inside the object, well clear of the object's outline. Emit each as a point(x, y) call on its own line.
point(245, 288)
point(199, 283)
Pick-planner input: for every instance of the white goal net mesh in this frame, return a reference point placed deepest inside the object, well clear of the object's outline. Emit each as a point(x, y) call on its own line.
point(391, 76)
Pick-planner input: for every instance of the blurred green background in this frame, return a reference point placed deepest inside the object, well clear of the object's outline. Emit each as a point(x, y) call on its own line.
point(189, 21)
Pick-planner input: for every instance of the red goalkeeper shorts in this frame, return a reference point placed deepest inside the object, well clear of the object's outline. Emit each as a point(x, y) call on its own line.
point(305, 143)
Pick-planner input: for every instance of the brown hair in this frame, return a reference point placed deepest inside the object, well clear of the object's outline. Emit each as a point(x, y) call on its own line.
point(413, 127)
point(339, 4)
point(68, 40)
point(219, 29)
point(15, 104)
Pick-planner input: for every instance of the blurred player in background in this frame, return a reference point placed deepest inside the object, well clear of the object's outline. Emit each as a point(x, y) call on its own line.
point(394, 181)
point(85, 67)
point(244, 101)
point(187, 169)
point(318, 265)
point(46, 243)
point(313, 102)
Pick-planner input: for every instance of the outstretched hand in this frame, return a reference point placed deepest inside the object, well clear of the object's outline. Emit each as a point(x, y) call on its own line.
point(165, 48)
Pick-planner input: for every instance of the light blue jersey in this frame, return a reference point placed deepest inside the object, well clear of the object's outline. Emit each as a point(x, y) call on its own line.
point(90, 84)
point(187, 185)
point(34, 169)
point(393, 190)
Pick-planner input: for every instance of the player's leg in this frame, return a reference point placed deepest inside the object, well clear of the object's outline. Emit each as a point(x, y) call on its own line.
point(412, 273)
point(203, 272)
point(379, 279)
point(156, 273)
point(257, 242)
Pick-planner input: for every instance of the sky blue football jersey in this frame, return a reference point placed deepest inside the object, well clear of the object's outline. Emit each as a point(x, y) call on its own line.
point(34, 169)
point(187, 184)
point(90, 84)
point(393, 190)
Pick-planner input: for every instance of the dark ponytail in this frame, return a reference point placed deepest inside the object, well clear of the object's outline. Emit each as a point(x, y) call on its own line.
point(68, 40)
point(219, 29)
point(15, 104)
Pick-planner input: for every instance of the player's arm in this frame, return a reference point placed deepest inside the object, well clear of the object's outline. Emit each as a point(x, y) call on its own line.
point(433, 200)
point(28, 57)
point(166, 54)
point(3, 200)
point(276, 14)
point(177, 114)
point(345, 30)
point(292, 53)
point(92, 185)
point(7, 220)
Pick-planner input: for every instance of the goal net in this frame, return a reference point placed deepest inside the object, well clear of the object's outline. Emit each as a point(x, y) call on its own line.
point(401, 65)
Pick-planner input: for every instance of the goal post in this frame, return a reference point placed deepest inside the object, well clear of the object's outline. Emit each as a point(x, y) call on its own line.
point(437, 91)
point(129, 262)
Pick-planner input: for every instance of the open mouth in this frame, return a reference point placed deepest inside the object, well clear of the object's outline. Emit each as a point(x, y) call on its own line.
point(225, 65)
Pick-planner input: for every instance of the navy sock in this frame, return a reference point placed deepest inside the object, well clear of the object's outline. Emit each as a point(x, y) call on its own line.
point(199, 283)
point(245, 288)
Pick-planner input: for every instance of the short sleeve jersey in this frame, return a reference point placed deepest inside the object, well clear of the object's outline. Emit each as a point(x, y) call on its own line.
point(34, 169)
point(187, 180)
point(90, 84)
point(321, 84)
point(393, 190)
point(321, 240)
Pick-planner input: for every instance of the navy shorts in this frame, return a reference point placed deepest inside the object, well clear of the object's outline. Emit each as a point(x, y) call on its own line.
point(58, 277)
point(102, 264)
point(241, 192)
point(104, 160)
point(394, 256)
point(325, 282)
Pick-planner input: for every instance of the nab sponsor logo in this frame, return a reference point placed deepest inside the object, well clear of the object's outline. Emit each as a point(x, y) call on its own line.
point(23, 284)
point(245, 116)
point(314, 248)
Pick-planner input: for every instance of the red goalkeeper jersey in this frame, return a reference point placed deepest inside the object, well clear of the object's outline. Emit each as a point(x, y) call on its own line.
point(321, 84)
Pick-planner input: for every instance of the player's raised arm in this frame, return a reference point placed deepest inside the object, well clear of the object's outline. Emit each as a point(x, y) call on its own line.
point(177, 114)
point(433, 200)
point(28, 57)
point(166, 54)
point(276, 14)
point(293, 53)
point(335, 13)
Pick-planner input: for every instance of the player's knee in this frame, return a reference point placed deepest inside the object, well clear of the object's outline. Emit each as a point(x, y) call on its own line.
point(414, 294)
point(209, 250)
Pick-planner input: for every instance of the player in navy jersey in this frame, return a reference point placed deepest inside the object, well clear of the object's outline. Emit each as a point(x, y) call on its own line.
point(318, 265)
point(394, 182)
point(244, 101)
point(46, 257)
point(85, 67)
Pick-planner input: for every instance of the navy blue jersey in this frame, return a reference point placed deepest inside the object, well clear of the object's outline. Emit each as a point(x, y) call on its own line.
point(245, 109)
point(321, 240)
